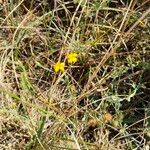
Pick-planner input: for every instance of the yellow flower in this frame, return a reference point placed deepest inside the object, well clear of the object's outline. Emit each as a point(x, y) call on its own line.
point(72, 58)
point(59, 67)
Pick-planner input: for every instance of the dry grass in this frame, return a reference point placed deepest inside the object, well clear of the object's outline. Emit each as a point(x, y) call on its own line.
point(101, 102)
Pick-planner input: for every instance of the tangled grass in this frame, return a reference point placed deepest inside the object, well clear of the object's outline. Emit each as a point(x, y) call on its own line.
point(99, 99)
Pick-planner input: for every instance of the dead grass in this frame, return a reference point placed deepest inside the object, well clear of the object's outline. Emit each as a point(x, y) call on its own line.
point(41, 109)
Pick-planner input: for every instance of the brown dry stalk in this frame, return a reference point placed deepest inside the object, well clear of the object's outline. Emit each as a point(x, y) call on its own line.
point(108, 54)
point(111, 51)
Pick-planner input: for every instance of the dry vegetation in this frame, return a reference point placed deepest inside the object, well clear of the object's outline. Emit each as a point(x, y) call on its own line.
point(100, 102)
